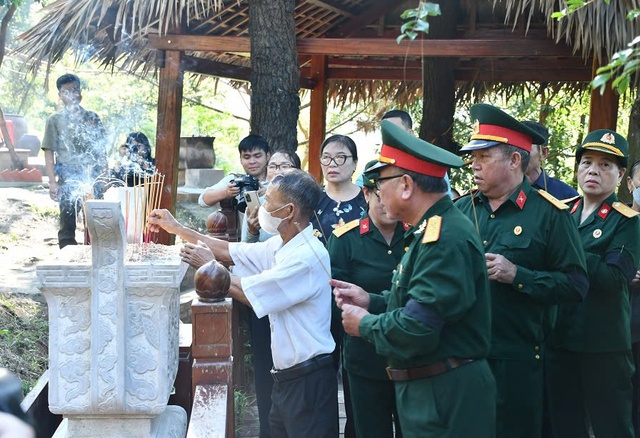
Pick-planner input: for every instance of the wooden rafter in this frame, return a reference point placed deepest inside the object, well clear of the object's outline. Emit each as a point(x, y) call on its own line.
point(377, 9)
point(331, 6)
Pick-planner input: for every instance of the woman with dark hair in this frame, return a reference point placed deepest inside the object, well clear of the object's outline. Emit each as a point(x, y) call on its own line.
point(342, 200)
point(141, 151)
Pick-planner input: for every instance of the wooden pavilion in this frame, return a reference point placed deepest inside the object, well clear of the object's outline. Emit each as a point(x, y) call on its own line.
point(347, 49)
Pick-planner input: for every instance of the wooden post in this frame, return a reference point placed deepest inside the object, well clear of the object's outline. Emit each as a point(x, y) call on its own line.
point(603, 111)
point(317, 114)
point(211, 348)
point(168, 131)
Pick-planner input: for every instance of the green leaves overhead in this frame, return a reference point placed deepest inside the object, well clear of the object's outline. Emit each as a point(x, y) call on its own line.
point(416, 20)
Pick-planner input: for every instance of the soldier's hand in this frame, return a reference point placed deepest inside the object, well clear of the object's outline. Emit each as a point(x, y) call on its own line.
point(500, 269)
point(196, 255)
point(351, 316)
point(347, 293)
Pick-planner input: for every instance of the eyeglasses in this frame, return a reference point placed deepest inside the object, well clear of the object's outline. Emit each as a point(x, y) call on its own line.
point(283, 166)
point(326, 160)
point(378, 180)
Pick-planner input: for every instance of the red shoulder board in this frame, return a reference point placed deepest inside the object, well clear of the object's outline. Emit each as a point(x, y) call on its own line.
point(604, 211)
point(521, 199)
point(365, 226)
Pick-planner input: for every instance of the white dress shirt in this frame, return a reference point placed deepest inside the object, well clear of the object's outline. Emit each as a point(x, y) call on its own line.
point(288, 283)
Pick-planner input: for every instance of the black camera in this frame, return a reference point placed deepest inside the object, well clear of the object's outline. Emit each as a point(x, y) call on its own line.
point(245, 183)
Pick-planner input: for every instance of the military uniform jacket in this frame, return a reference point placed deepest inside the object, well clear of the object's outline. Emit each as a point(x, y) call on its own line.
point(438, 305)
point(611, 241)
point(360, 255)
point(537, 234)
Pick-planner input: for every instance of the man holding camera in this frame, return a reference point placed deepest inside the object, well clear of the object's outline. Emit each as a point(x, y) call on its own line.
point(254, 156)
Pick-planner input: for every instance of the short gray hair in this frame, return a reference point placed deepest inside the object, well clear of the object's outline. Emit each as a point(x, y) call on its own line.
point(300, 189)
point(525, 156)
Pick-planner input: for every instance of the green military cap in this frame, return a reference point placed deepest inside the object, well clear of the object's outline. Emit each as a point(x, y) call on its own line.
point(608, 142)
point(404, 150)
point(369, 176)
point(492, 126)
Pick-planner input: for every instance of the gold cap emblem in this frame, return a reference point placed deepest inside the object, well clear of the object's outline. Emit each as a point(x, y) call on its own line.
point(476, 127)
point(608, 138)
point(597, 233)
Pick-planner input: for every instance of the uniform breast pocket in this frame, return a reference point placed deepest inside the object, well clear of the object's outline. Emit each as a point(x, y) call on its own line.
point(515, 247)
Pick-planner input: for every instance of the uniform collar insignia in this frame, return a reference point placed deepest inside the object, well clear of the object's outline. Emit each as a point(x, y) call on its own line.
point(365, 226)
point(521, 199)
point(604, 211)
point(575, 207)
point(421, 227)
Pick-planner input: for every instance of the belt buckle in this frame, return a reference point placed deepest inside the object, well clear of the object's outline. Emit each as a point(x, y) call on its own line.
point(274, 375)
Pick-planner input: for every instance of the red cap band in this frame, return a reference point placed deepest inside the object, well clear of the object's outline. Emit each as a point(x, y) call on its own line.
point(391, 155)
point(502, 135)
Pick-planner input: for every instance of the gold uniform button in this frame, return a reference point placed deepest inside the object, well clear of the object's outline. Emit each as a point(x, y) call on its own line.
point(536, 348)
point(394, 271)
point(485, 243)
point(389, 252)
point(520, 286)
point(538, 356)
point(492, 216)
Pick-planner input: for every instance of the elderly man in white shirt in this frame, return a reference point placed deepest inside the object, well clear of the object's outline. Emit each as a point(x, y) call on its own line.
point(285, 277)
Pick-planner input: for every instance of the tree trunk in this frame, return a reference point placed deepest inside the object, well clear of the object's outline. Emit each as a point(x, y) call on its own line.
point(275, 81)
point(4, 26)
point(438, 82)
point(633, 137)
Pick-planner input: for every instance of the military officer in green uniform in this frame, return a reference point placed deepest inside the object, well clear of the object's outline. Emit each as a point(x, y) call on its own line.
point(590, 363)
point(433, 325)
point(365, 252)
point(533, 257)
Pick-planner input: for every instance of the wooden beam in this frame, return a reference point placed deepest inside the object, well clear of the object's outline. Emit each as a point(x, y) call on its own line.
point(464, 48)
point(317, 114)
point(374, 10)
point(168, 132)
point(224, 70)
point(478, 75)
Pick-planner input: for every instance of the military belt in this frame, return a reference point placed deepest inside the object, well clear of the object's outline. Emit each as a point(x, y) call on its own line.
point(407, 374)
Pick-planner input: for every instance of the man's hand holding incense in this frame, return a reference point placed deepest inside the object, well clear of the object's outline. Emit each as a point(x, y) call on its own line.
point(196, 255)
point(163, 219)
point(348, 293)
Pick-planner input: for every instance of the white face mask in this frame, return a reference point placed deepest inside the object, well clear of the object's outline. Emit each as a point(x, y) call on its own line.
point(267, 221)
point(636, 193)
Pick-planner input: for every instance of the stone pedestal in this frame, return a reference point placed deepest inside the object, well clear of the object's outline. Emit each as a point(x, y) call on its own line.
point(113, 335)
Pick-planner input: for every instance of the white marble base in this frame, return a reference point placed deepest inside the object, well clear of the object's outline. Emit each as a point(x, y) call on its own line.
point(172, 423)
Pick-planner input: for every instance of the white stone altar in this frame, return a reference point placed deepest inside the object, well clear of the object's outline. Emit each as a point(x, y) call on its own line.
point(113, 333)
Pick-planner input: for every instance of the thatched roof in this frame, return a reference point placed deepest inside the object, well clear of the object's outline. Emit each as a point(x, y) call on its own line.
point(115, 32)
point(598, 29)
